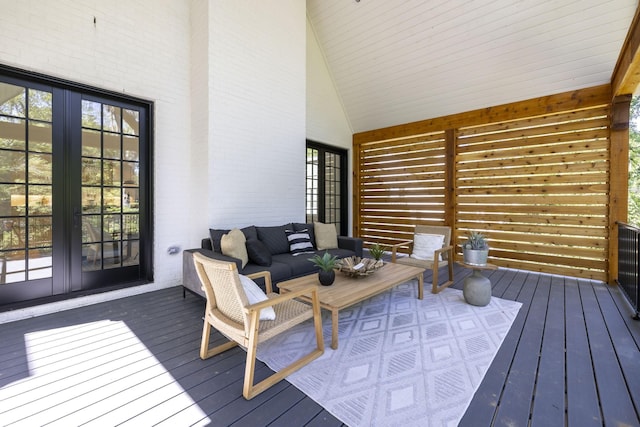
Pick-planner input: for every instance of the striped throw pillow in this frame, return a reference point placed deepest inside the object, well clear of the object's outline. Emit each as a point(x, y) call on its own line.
point(299, 242)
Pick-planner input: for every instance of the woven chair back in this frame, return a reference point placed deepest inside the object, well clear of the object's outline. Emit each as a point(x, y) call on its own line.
point(222, 287)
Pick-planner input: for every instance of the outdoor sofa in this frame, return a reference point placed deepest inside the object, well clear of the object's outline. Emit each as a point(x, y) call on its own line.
point(281, 250)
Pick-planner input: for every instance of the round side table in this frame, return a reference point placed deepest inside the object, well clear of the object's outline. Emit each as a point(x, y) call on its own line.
point(477, 288)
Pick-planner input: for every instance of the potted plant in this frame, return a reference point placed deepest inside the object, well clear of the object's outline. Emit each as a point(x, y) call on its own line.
point(377, 251)
point(475, 250)
point(326, 263)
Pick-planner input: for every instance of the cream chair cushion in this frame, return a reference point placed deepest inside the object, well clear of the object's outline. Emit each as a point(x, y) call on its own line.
point(424, 245)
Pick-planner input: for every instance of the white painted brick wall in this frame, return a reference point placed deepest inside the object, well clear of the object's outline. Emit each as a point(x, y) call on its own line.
point(228, 79)
point(258, 109)
point(137, 47)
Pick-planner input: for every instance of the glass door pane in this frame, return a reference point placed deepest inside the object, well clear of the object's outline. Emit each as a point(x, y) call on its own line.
point(110, 193)
point(26, 185)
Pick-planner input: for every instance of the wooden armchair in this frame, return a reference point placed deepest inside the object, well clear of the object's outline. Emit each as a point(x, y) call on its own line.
point(432, 264)
point(229, 311)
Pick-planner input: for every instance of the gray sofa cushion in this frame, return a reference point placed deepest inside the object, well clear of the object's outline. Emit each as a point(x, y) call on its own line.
point(299, 265)
point(275, 238)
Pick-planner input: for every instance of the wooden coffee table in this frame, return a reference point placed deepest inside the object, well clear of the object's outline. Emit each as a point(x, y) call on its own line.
point(347, 291)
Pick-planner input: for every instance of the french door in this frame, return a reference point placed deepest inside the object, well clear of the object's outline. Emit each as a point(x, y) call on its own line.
point(74, 190)
point(326, 186)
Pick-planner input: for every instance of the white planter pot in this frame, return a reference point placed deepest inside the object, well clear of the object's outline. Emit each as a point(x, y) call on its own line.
point(475, 256)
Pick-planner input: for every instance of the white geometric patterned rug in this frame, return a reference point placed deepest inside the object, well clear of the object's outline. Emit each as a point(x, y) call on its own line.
point(400, 361)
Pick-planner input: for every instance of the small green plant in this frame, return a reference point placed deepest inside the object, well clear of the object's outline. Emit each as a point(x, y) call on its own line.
point(377, 251)
point(475, 240)
point(326, 262)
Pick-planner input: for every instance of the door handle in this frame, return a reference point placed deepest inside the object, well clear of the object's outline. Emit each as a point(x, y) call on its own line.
point(76, 217)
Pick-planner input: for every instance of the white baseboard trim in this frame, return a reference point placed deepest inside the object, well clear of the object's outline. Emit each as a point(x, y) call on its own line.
point(54, 307)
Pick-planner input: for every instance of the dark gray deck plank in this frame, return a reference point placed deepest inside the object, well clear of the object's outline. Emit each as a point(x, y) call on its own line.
point(271, 410)
point(583, 408)
point(616, 405)
point(302, 413)
point(515, 404)
point(623, 344)
point(483, 406)
point(549, 396)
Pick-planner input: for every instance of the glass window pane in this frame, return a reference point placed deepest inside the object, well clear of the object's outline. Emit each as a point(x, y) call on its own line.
point(40, 105)
point(13, 133)
point(12, 166)
point(130, 173)
point(92, 256)
point(40, 200)
point(112, 252)
point(91, 199)
point(111, 172)
point(91, 171)
point(14, 265)
point(12, 200)
point(112, 227)
point(111, 146)
point(13, 233)
point(111, 118)
point(40, 264)
point(40, 137)
point(112, 200)
point(12, 100)
point(132, 197)
point(91, 143)
point(130, 249)
point(40, 229)
point(40, 171)
point(130, 122)
point(131, 226)
point(131, 148)
point(91, 228)
point(91, 115)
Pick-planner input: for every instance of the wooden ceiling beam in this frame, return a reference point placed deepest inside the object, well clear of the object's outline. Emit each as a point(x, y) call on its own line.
point(626, 75)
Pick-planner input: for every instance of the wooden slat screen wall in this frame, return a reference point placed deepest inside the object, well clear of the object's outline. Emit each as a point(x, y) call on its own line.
point(538, 188)
point(533, 175)
point(401, 183)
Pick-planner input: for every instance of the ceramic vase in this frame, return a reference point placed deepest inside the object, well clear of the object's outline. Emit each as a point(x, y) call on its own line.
point(326, 277)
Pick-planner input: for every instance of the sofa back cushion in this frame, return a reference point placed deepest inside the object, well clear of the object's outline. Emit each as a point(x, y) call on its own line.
point(274, 238)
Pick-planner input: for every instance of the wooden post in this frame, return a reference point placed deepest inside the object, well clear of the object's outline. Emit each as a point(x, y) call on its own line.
point(618, 177)
point(356, 188)
point(451, 136)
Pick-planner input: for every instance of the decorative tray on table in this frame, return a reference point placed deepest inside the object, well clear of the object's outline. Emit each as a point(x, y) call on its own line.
point(355, 266)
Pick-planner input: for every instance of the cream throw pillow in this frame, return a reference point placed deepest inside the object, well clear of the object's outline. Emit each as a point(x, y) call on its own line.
point(424, 245)
point(255, 295)
point(233, 244)
point(326, 235)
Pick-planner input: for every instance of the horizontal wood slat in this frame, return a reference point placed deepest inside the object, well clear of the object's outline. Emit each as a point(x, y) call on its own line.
point(536, 184)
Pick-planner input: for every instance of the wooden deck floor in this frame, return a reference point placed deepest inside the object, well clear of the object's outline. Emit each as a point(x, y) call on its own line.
point(571, 358)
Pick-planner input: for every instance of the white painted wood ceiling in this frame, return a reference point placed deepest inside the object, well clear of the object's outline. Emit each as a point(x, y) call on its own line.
point(399, 61)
